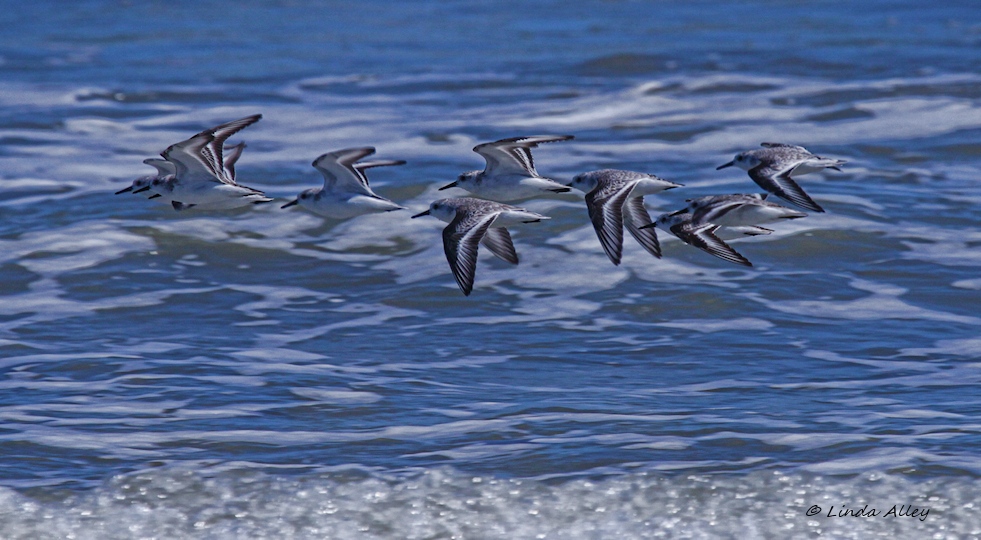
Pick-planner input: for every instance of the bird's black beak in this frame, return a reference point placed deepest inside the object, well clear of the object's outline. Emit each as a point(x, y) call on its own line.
point(730, 164)
point(291, 203)
point(142, 189)
point(125, 190)
point(648, 226)
point(448, 186)
point(420, 214)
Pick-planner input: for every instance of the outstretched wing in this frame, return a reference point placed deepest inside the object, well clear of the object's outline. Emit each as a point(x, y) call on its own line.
point(189, 161)
point(340, 173)
point(234, 152)
point(200, 157)
point(782, 185)
point(163, 166)
point(498, 241)
point(703, 237)
point(460, 240)
point(513, 156)
point(606, 213)
point(636, 216)
point(216, 146)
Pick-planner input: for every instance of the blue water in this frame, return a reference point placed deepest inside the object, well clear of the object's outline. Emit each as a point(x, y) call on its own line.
point(262, 373)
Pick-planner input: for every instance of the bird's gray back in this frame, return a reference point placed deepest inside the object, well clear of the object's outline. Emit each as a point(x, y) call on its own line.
point(781, 157)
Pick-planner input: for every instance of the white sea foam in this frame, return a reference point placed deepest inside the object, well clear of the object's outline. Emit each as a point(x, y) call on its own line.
point(969, 347)
point(883, 303)
point(336, 396)
point(724, 325)
point(380, 314)
point(441, 503)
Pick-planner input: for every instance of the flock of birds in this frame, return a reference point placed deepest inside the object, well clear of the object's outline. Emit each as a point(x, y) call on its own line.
point(200, 173)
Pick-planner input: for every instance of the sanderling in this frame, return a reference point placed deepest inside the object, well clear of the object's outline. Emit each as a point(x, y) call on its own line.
point(615, 199)
point(158, 183)
point(510, 171)
point(345, 193)
point(202, 178)
point(163, 188)
point(703, 236)
point(772, 166)
point(164, 168)
point(739, 210)
point(472, 222)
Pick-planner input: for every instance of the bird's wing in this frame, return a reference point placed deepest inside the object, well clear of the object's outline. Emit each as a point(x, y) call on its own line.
point(716, 210)
point(231, 157)
point(200, 157)
point(460, 240)
point(378, 163)
point(163, 166)
point(703, 237)
point(215, 148)
point(513, 155)
point(498, 241)
point(606, 213)
point(340, 172)
point(782, 185)
point(189, 162)
point(636, 216)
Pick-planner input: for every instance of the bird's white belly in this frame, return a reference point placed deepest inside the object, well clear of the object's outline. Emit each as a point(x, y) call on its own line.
point(512, 188)
point(349, 207)
point(515, 217)
point(646, 187)
point(749, 215)
point(214, 195)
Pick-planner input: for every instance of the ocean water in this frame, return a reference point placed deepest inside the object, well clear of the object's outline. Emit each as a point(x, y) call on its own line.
point(263, 373)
